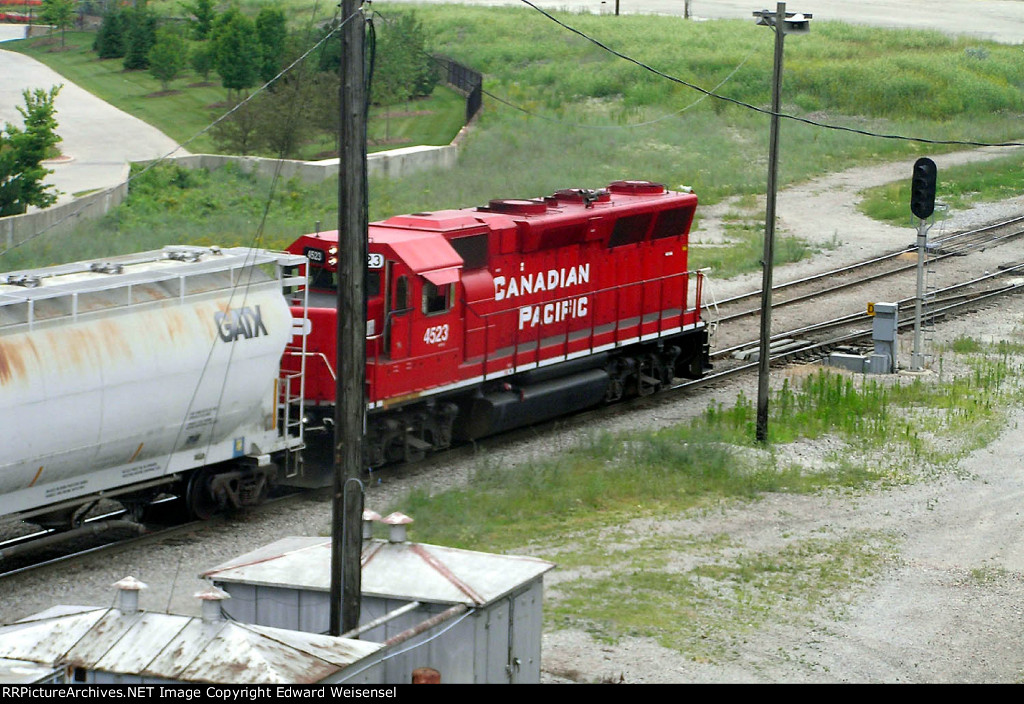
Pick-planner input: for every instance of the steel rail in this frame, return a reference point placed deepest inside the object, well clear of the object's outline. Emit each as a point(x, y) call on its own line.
point(936, 244)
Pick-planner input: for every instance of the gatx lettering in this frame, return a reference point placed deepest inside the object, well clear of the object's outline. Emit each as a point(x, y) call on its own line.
point(233, 324)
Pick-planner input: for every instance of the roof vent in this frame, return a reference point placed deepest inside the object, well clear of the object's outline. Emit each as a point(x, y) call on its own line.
point(368, 519)
point(398, 522)
point(518, 207)
point(585, 196)
point(26, 280)
point(183, 255)
point(637, 188)
point(106, 268)
point(211, 598)
point(128, 594)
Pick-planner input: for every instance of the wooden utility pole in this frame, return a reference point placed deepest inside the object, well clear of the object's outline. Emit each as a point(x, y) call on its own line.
point(782, 23)
point(350, 404)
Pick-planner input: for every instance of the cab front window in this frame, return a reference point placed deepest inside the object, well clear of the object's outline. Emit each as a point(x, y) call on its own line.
point(322, 279)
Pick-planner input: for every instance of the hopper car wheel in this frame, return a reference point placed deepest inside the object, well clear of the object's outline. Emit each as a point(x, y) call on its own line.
point(202, 504)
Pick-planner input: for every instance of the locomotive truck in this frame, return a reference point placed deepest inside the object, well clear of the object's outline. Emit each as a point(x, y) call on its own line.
point(484, 319)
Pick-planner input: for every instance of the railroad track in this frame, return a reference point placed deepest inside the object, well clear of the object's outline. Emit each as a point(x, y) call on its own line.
point(816, 340)
point(822, 345)
point(47, 549)
point(868, 271)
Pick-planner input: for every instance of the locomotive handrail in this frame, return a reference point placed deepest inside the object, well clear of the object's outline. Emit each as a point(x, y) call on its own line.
point(386, 327)
point(321, 355)
point(616, 289)
point(561, 329)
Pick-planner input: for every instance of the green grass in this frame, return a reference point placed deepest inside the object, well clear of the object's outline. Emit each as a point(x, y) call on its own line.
point(595, 507)
point(606, 478)
point(431, 121)
point(191, 104)
point(959, 187)
point(173, 205)
point(743, 250)
point(705, 610)
point(299, 12)
point(579, 111)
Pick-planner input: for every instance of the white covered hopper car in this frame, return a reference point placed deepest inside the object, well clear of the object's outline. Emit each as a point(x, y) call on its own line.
point(123, 377)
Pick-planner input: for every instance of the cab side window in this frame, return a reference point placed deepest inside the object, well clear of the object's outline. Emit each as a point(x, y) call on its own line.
point(401, 301)
point(436, 299)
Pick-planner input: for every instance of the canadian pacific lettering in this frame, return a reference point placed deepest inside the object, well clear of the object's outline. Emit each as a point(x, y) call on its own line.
point(550, 280)
point(556, 312)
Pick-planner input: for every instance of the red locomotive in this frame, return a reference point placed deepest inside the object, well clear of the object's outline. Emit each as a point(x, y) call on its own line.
point(484, 319)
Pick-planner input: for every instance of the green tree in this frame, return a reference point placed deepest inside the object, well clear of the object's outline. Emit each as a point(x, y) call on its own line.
point(325, 104)
point(168, 56)
point(140, 37)
point(328, 58)
point(22, 152)
point(404, 67)
point(236, 50)
point(284, 122)
point(422, 70)
point(110, 39)
point(238, 133)
point(272, 30)
point(393, 79)
point(204, 15)
point(60, 14)
point(201, 59)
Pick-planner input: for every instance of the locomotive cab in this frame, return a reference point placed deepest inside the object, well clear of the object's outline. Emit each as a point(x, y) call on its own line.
point(418, 345)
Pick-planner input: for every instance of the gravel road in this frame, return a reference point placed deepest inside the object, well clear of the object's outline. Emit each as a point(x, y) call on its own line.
point(949, 604)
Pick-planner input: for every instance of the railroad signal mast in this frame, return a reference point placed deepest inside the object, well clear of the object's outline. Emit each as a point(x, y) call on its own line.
point(922, 205)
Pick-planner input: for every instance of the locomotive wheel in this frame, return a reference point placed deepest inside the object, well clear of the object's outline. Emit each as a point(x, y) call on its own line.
point(198, 497)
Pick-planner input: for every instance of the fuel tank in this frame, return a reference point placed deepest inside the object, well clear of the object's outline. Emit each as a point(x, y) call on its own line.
point(129, 369)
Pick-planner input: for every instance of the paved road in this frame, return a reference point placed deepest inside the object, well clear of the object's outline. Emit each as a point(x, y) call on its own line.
point(99, 139)
point(998, 20)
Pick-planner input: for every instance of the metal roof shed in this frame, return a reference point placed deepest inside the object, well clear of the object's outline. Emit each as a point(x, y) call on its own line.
point(124, 645)
point(25, 672)
point(486, 609)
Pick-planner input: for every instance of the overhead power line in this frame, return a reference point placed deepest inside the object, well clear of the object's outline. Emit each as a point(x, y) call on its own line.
point(763, 111)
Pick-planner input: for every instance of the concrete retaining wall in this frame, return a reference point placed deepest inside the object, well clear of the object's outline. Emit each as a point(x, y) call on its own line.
point(15, 229)
point(395, 163)
point(390, 164)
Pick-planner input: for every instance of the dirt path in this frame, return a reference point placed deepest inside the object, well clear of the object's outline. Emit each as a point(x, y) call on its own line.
point(949, 604)
point(948, 608)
